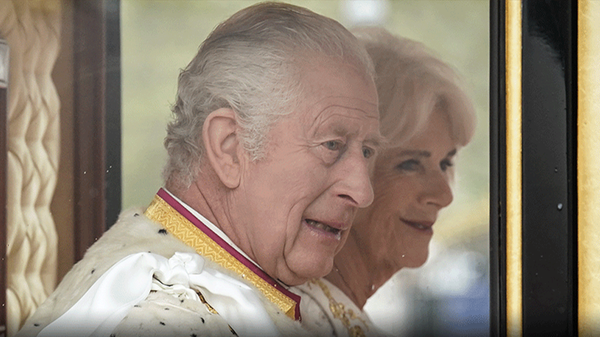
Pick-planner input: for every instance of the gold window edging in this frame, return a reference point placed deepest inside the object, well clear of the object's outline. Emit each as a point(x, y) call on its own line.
point(588, 164)
point(514, 311)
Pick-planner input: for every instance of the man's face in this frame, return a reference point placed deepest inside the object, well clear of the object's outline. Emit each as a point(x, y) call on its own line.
point(294, 208)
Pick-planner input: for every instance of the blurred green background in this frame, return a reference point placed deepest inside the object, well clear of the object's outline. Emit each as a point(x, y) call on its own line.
point(160, 37)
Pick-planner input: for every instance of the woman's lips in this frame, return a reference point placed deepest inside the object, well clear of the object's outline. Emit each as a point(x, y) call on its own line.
point(423, 226)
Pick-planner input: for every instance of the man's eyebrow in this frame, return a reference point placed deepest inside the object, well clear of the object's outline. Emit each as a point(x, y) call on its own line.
point(375, 140)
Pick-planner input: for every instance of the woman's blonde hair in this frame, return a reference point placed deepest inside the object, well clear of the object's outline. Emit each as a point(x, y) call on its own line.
point(411, 84)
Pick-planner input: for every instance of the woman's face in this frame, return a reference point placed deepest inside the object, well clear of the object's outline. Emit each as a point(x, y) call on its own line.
point(411, 185)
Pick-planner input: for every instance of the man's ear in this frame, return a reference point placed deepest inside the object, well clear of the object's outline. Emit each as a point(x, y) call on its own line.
point(222, 146)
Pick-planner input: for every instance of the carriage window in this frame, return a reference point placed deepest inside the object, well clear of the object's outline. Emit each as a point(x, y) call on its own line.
point(447, 292)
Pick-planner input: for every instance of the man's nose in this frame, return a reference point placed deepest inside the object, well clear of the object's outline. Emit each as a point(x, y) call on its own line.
point(355, 182)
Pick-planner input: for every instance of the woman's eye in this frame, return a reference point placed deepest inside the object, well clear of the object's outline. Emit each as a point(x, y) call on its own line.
point(408, 165)
point(446, 164)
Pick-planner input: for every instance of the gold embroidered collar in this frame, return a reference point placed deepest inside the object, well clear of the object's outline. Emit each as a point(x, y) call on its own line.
point(178, 221)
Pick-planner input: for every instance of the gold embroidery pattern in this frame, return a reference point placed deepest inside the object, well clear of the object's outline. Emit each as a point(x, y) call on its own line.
point(208, 306)
point(212, 310)
point(340, 312)
point(161, 212)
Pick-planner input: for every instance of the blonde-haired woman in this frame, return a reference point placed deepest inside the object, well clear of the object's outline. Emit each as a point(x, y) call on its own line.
point(427, 118)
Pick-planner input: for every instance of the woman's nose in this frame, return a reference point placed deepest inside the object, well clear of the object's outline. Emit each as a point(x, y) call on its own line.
point(437, 190)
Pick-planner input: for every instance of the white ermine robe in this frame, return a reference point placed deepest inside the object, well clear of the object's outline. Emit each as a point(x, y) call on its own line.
point(166, 271)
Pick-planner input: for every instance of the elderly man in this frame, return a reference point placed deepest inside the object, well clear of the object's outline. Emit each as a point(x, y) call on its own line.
point(274, 135)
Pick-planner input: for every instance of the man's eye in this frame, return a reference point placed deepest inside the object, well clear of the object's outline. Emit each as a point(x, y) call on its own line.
point(333, 145)
point(446, 164)
point(368, 152)
point(408, 165)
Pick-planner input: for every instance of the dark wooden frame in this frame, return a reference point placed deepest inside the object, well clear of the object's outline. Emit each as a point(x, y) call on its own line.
point(549, 174)
point(97, 113)
point(497, 168)
point(548, 191)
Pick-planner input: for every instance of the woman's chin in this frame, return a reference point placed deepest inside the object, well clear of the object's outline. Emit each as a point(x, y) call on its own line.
point(415, 261)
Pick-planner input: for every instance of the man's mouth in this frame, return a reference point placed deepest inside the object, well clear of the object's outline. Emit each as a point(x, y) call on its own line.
point(324, 227)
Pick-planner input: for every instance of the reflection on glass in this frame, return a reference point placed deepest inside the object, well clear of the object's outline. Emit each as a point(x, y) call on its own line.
point(449, 294)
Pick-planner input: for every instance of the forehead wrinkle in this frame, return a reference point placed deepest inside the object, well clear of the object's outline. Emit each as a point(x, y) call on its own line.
point(345, 102)
point(339, 128)
point(360, 103)
point(328, 114)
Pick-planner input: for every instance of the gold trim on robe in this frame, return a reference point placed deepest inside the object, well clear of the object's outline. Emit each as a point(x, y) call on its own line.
point(178, 225)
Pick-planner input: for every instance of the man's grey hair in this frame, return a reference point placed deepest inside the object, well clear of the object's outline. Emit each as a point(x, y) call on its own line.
point(251, 63)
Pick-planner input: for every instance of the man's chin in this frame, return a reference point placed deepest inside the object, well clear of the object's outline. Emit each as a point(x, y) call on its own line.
point(302, 273)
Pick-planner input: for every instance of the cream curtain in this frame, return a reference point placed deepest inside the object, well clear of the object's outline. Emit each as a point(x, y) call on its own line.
point(32, 30)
